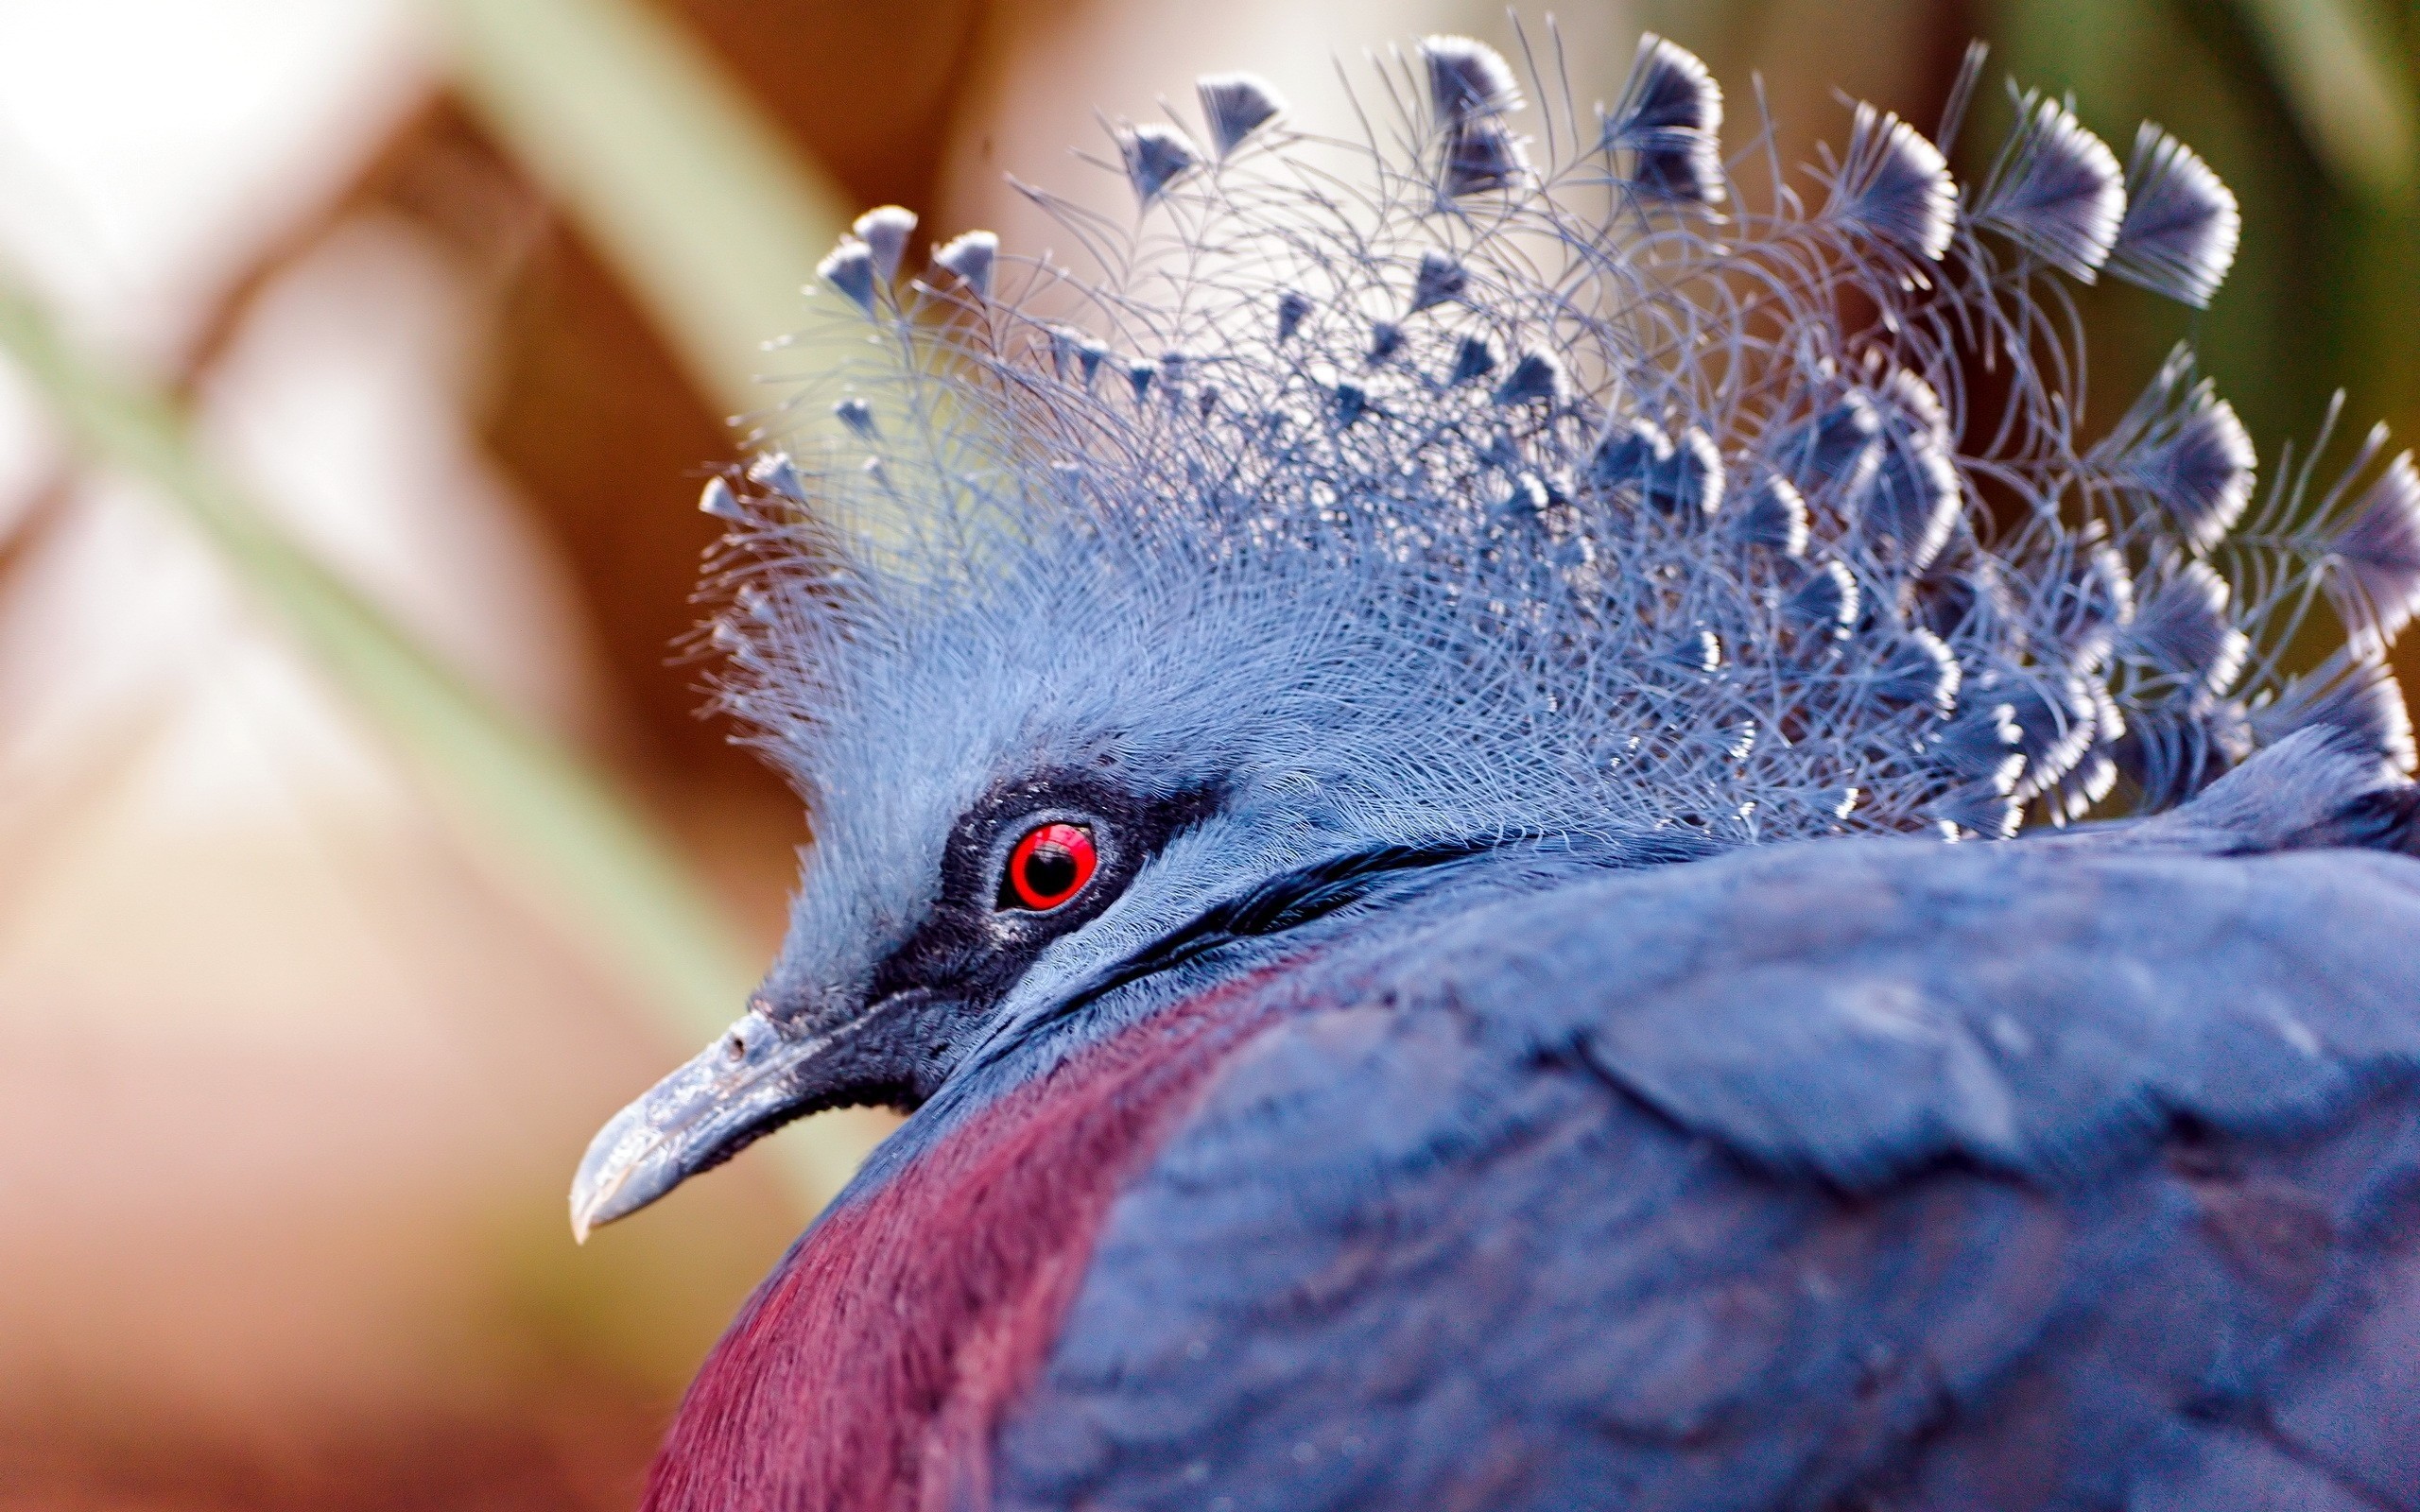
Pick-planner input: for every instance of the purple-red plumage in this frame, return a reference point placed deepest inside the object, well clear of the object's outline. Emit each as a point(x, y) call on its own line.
point(867, 1373)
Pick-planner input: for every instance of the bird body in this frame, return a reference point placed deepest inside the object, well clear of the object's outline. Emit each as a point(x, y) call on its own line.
point(1410, 784)
point(1514, 1201)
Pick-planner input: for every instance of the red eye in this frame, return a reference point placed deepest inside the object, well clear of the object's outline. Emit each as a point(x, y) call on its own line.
point(1050, 865)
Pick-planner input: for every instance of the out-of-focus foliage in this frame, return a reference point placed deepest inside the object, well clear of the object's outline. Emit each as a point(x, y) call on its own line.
point(713, 220)
point(609, 874)
point(2335, 63)
point(710, 219)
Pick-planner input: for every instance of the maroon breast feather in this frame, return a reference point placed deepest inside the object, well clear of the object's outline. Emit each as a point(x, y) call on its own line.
point(867, 1373)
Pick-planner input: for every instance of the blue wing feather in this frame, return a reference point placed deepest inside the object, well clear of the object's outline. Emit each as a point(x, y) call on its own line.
point(2081, 1173)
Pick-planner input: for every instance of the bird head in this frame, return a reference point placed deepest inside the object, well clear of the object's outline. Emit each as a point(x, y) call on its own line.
point(1034, 765)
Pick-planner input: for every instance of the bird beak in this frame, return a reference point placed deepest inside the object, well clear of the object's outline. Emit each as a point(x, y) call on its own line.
point(743, 1085)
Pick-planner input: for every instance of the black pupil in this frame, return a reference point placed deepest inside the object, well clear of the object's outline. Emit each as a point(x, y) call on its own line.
point(1049, 871)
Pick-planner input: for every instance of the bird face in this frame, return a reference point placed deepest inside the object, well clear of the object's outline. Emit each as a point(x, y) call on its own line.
point(903, 958)
point(1026, 787)
point(987, 857)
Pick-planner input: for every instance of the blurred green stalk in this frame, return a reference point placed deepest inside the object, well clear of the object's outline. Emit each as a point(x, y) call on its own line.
point(712, 224)
point(697, 201)
point(2336, 61)
point(709, 220)
point(527, 800)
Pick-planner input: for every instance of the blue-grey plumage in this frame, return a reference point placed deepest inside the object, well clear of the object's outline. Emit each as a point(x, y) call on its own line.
point(1507, 660)
point(2029, 1176)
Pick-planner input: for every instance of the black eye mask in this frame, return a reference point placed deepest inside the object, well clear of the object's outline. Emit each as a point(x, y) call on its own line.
point(979, 937)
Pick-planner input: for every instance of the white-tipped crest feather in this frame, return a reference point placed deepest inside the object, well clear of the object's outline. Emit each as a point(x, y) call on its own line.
point(1536, 512)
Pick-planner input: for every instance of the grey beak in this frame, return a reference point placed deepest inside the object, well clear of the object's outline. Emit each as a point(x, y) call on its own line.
point(728, 1093)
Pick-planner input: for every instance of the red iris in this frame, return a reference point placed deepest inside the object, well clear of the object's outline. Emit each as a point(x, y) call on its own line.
point(1051, 864)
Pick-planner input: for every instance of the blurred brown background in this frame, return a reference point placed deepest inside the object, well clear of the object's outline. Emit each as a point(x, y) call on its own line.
point(293, 1068)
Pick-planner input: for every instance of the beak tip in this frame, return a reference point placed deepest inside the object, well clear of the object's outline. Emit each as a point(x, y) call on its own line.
point(601, 1196)
point(603, 1190)
point(650, 1147)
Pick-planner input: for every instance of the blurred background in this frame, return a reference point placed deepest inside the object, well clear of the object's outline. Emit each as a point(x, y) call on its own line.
point(361, 848)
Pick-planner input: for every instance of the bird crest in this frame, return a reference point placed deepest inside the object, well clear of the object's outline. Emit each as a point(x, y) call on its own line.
point(1522, 465)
